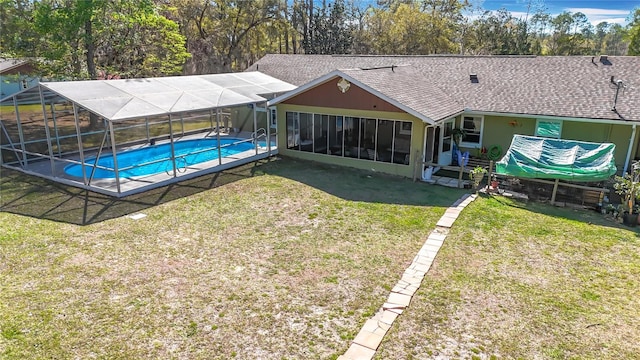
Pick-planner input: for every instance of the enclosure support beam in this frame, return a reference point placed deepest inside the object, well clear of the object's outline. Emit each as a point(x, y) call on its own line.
point(80, 148)
point(211, 118)
point(173, 149)
point(266, 107)
point(218, 135)
point(255, 127)
point(46, 130)
point(20, 133)
point(15, 151)
point(146, 123)
point(97, 160)
point(115, 155)
point(631, 141)
point(182, 123)
point(55, 128)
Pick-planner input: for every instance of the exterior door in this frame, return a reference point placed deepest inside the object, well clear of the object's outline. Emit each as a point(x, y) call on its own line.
point(445, 152)
point(430, 144)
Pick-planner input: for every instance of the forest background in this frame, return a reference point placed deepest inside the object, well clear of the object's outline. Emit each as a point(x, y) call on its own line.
point(97, 39)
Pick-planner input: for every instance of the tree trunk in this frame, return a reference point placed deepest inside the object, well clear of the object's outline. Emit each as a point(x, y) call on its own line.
point(286, 28)
point(91, 49)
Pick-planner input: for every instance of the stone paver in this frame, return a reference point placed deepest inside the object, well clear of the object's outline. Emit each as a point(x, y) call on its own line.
point(359, 352)
point(366, 343)
point(446, 222)
point(368, 339)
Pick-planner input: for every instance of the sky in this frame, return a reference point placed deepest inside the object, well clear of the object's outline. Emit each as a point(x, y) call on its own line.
point(611, 11)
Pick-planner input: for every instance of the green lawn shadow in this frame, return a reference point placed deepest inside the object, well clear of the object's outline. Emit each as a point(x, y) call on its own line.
point(36, 197)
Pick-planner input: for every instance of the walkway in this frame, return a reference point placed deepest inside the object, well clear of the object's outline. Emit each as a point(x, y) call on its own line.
point(366, 343)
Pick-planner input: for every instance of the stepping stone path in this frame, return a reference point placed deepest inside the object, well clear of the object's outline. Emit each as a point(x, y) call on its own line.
point(366, 343)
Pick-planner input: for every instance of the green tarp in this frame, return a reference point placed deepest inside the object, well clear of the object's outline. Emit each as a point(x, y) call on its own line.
point(541, 158)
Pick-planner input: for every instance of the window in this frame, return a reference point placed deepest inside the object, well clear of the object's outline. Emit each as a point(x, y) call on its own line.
point(345, 136)
point(549, 128)
point(293, 130)
point(274, 117)
point(472, 126)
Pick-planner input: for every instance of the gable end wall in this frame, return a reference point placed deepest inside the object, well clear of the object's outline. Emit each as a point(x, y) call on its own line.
point(329, 96)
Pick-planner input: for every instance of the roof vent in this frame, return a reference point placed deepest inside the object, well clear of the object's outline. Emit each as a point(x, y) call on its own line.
point(474, 78)
point(604, 59)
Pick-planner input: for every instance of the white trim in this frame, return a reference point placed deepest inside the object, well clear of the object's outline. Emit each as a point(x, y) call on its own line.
point(441, 143)
point(273, 116)
point(471, 144)
point(337, 73)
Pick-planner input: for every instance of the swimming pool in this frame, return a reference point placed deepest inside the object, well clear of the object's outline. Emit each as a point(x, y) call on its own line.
point(157, 158)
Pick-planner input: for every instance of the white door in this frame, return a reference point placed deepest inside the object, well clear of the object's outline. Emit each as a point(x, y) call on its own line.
point(445, 152)
point(430, 142)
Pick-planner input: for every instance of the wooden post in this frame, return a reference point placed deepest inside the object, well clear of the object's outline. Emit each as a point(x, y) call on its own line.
point(490, 174)
point(417, 167)
point(555, 189)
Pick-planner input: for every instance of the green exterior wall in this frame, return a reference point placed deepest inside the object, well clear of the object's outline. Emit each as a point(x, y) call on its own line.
point(612, 133)
point(499, 130)
point(417, 139)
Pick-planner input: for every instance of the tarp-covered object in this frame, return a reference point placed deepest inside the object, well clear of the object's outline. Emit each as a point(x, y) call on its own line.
point(541, 158)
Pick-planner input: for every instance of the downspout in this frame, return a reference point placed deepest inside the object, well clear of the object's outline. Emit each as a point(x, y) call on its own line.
point(631, 142)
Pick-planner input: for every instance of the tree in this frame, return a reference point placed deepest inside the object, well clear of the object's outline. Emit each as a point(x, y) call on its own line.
point(17, 33)
point(137, 41)
point(614, 41)
point(225, 35)
point(633, 34)
point(128, 37)
point(497, 33)
point(332, 30)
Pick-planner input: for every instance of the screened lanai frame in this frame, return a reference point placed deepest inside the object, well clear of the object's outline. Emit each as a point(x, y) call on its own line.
point(48, 128)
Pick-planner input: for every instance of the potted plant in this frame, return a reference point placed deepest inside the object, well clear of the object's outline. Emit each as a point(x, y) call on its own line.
point(457, 135)
point(476, 175)
point(494, 182)
point(628, 188)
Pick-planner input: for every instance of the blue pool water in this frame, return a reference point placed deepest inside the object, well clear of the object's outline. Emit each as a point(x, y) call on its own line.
point(156, 159)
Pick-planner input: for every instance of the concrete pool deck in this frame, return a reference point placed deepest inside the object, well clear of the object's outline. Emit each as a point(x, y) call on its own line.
point(366, 343)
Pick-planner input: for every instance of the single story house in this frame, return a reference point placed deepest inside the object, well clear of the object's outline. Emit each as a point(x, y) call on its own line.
point(389, 113)
point(16, 75)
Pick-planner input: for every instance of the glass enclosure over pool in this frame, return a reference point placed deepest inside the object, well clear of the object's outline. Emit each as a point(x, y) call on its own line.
point(121, 137)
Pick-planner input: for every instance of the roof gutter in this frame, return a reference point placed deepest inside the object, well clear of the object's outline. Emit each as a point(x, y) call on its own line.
point(549, 117)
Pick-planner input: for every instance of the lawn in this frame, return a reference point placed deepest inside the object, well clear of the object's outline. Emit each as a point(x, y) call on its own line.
point(279, 260)
point(288, 259)
point(516, 281)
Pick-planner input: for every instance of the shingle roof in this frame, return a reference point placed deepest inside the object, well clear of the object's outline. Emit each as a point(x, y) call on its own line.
point(571, 86)
point(422, 97)
point(8, 64)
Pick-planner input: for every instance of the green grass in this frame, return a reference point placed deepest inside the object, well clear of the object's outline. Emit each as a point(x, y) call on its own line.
point(518, 281)
point(288, 259)
point(284, 259)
